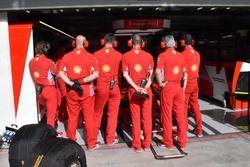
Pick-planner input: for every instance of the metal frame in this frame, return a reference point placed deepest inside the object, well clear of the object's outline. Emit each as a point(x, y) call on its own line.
point(172, 156)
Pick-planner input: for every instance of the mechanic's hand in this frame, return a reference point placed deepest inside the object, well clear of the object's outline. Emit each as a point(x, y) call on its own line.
point(138, 89)
point(77, 87)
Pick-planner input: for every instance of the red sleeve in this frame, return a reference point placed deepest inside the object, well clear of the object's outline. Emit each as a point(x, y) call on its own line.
point(151, 63)
point(52, 67)
point(62, 65)
point(95, 66)
point(185, 62)
point(160, 61)
point(124, 64)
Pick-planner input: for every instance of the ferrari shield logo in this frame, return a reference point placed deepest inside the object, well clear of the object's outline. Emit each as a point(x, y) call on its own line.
point(107, 51)
point(176, 70)
point(192, 51)
point(136, 51)
point(78, 52)
point(36, 74)
point(77, 69)
point(106, 68)
point(138, 67)
point(173, 51)
point(194, 67)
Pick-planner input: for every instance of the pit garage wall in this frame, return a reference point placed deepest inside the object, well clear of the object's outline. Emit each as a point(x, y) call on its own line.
point(17, 92)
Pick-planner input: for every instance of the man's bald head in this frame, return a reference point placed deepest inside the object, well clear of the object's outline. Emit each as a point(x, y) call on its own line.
point(79, 40)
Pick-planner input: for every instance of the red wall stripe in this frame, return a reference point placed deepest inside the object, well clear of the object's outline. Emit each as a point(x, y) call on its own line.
point(19, 41)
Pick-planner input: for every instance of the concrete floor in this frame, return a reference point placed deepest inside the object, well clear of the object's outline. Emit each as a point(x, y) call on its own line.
point(228, 150)
point(222, 145)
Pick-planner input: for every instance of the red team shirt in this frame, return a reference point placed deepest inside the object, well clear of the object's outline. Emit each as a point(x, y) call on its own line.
point(79, 64)
point(41, 70)
point(172, 64)
point(137, 63)
point(192, 58)
point(109, 61)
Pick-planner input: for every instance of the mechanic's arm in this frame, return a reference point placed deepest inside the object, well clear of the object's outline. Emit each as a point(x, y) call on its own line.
point(130, 81)
point(185, 77)
point(89, 78)
point(65, 78)
point(150, 79)
point(158, 77)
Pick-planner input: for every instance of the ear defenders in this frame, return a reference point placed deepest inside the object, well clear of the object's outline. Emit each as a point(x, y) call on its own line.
point(102, 42)
point(164, 45)
point(182, 42)
point(130, 43)
point(73, 43)
point(85, 44)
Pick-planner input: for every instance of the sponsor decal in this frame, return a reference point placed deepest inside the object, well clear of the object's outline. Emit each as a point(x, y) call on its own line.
point(36, 74)
point(77, 69)
point(106, 68)
point(176, 70)
point(194, 67)
point(138, 67)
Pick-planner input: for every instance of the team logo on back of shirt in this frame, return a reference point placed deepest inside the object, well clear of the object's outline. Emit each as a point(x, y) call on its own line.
point(174, 52)
point(77, 69)
point(78, 52)
point(194, 67)
point(36, 74)
point(107, 51)
point(106, 68)
point(37, 58)
point(137, 67)
point(176, 70)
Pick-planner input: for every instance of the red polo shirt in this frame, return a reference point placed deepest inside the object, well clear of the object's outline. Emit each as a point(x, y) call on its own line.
point(41, 70)
point(192, 58)
point(78, 64)
point(109, 61)
point(137, 63)
point(172, 64)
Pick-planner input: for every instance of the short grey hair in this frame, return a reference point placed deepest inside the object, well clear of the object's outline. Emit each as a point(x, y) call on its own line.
point(169, 40)
point(79, 40)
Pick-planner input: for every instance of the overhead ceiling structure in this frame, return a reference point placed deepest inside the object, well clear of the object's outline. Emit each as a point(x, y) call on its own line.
point(95, 17)
point(48, 4)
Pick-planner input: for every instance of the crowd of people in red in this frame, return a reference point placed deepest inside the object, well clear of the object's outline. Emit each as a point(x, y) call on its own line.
point(87, 82)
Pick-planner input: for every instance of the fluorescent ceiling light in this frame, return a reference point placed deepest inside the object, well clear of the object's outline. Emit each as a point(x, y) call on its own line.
point(46, 25)
point(137, 31)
